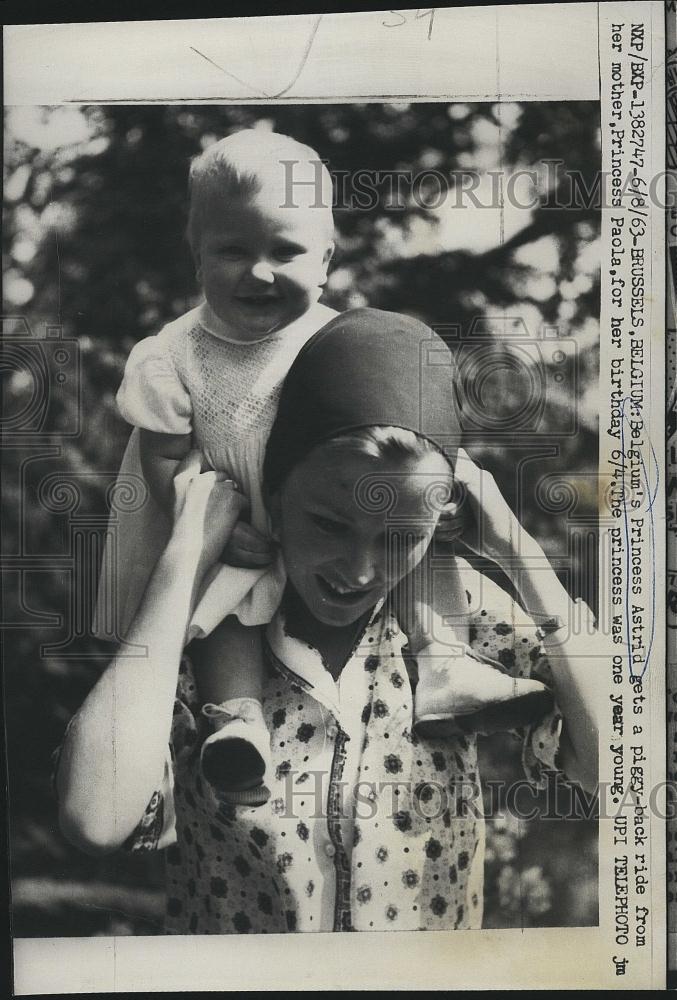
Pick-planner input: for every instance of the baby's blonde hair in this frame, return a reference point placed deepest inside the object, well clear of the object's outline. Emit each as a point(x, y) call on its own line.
point(241, 165)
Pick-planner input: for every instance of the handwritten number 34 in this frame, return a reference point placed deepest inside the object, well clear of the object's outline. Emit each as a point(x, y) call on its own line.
point(404, 18)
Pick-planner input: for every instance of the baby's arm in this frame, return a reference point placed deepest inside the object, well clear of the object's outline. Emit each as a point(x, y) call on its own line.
point(161, 455)
point(153, 398)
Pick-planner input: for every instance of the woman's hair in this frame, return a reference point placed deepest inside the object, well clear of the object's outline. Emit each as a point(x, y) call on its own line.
point(394, 444)
point(387, 443)
point(239, 166)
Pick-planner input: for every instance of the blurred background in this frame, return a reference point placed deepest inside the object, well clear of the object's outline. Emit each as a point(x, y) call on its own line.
point(95, 258)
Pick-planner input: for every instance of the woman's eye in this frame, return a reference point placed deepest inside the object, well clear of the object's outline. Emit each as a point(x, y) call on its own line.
point(407, 539)
point(326, 524)
point(232, 252)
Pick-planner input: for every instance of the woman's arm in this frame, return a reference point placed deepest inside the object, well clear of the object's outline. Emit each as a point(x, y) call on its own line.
point(576, 661)
point(113, 756)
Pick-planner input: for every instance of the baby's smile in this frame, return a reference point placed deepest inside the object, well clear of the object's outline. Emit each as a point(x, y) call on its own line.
point(254, 299)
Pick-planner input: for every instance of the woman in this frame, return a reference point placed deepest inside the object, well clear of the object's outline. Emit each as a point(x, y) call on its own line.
point(370, 825)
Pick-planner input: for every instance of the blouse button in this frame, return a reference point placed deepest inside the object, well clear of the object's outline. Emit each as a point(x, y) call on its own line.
point(329, 850)
point(332, 732)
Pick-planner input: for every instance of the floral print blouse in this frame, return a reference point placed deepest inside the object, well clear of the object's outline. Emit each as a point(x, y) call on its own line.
point(367, 827)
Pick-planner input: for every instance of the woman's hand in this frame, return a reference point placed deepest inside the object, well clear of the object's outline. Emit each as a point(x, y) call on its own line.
point(208, 506)
point(247, 548)
point(483, 520)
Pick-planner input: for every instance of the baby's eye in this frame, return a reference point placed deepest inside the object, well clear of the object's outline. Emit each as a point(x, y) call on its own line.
point(288, 251)
point(232, 252)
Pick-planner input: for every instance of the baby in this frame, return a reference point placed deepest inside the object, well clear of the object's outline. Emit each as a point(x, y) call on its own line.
point(211, 379)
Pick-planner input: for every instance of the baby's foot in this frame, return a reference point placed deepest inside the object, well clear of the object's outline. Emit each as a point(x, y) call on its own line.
point(236, 757)
point(460, 694)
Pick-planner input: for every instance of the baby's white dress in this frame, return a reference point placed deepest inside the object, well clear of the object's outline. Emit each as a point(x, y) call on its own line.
point(191, 378)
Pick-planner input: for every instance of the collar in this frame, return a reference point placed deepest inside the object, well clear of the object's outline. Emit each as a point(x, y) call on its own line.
point(316, 316)
point(213, 324)
point(302, 663)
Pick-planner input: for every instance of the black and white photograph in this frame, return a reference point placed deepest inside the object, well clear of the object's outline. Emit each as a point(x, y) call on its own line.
point(310, 545)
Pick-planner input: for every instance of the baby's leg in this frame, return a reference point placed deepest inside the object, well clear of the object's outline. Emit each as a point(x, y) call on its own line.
point(432, 608)
point(230, 674)
point(231, 663)
point(457, 691)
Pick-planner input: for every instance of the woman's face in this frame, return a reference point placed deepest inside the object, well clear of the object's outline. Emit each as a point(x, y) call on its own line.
point(351, 526)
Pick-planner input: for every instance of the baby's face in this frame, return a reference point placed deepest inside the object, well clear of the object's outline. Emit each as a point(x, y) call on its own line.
point(262, 266)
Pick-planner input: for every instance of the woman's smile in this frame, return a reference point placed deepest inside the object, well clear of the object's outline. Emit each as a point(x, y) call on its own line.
point(343, 595)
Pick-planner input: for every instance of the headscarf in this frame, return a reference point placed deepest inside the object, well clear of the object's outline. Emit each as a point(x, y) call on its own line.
point(365, 368)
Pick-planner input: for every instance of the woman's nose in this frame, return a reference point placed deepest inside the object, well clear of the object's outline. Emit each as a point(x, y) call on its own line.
point(262, 271)
point(364, 568)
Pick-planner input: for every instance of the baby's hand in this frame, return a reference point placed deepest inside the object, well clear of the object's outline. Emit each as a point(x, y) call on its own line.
point(247, 548)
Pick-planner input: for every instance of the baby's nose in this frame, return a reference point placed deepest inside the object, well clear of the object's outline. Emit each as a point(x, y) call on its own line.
point(262, 271)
